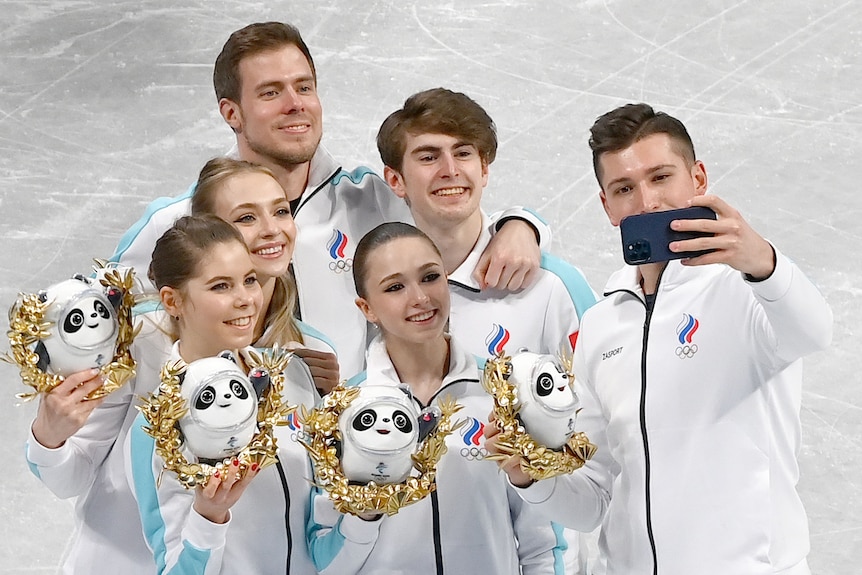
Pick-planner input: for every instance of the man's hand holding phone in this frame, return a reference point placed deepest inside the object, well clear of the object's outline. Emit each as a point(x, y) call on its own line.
point(709, 231)
point(732, 241)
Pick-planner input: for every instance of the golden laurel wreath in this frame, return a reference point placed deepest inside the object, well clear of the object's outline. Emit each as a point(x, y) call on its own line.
point(164, 409)
point(27, 326)
point(537, 460)
point(320, 434)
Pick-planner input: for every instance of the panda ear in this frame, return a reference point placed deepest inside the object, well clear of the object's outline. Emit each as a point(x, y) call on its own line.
point(182, 377)
point(507, 373)
point(115, 296)
point(81, 278)
point(260, 380)
point(427, 421)
point(406, 389)
point(226, 354)
point(42, 295)
point(44, 358)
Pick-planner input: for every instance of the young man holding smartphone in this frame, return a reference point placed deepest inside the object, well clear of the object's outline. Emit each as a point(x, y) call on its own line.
point(690, 379)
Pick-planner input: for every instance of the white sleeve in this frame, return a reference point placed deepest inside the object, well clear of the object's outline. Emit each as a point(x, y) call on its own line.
point(570, 296)
point(797, 318)
point(580, 499)
point(136, 246)
point(69, 470)
point(539, 225)
point(338, 544)
point(180, 539)
point(539, 542)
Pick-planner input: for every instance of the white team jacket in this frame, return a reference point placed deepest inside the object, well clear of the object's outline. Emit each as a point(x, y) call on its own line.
point(90, 466)
point(265, 533)
point(700, 399)
point(539, 318)
point(469, 525)
point(337, 208)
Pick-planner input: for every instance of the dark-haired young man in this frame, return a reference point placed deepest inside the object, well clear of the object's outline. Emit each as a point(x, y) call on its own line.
point(690, 377)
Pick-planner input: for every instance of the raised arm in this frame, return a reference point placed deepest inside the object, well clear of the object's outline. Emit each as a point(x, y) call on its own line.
point(796, 318)
point(71, 436)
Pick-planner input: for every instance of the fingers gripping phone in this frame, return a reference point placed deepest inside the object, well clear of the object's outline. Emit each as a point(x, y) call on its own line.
point(647, 237)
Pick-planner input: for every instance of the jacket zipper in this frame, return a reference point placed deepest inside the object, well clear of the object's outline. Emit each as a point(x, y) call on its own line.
point(305, 199)
point(648, 503)
point(302, 201)
point(435, 504)
point(286, 491)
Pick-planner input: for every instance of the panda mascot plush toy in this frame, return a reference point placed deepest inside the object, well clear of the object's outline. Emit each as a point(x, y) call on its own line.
point(549, 404)
point(83, 326)
point(222, 408)
point(380, 430)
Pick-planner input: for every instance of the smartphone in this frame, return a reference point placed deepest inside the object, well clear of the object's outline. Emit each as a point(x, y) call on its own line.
point(647, 237)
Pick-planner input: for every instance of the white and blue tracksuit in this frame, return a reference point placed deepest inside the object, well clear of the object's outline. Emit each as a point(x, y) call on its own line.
point(265, 532)
point(336, 210)
point(90, 464)
point(472, 523)
point(539, 318)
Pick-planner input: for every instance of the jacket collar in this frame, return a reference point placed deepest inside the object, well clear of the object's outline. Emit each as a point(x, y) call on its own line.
point(463, 275)
point(674, 275)
point(462, 364)
point(323, 168)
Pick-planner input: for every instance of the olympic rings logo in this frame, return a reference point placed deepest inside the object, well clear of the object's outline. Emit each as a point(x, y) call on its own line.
point(339, 266)
point(686, 351)
point(474, 453)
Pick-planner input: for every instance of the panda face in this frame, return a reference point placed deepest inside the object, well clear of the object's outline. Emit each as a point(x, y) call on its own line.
point(382, 426)
point(87, 322)
point(551, 386)
point(223, 402)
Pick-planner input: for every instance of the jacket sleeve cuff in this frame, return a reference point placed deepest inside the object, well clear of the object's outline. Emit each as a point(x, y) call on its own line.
point(540, 226)
point(202, 533)
point(776, 285)
point(42, 456)
point(537, 492)
point(358, 530)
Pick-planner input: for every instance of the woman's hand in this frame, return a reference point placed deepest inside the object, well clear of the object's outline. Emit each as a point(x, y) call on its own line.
point(65, 409)
point(222, 491)
point(512, 464)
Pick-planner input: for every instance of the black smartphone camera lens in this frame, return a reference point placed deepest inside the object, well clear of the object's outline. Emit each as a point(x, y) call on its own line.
point(638, 251)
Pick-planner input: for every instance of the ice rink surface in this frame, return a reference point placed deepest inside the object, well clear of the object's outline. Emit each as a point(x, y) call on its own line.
point(106, 105)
